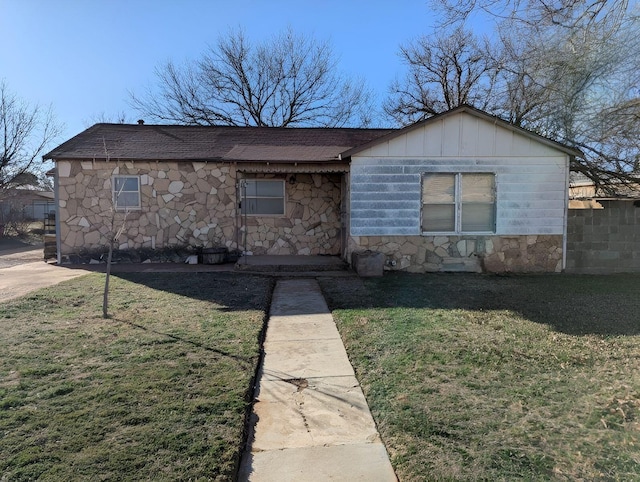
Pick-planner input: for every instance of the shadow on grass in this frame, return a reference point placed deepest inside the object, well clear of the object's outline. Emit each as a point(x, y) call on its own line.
point(229, 291)
point(226, 292)
point(571, 304)
point(246, 361)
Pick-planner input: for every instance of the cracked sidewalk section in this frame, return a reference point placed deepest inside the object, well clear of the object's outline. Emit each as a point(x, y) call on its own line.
point(310, 419)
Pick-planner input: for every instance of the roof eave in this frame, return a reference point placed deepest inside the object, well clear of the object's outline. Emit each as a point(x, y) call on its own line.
point(208, 159)
point(51, 155)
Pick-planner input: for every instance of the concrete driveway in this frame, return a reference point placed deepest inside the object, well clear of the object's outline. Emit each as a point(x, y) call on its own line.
point(22, 270)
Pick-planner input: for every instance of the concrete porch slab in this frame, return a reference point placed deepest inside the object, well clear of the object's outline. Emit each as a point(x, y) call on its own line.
point(291, 263)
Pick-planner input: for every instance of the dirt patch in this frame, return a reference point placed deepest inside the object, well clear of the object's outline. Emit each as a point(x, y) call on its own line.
point(301, 383)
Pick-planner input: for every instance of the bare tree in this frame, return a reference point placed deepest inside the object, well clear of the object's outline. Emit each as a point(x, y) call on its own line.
point(25, 131)
point(445, 71)
point(290, 80)
point(114, 235)
point(580, 87)
point(116, 230)
point(576, 85)
point(572, 14)
point(105, 118)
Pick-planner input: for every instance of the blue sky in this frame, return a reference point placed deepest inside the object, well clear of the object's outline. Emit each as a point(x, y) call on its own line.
point(83, 56)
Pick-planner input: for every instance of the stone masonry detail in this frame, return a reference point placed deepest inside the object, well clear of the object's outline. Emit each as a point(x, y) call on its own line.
point(311, 224)
point(493, 254)
point(192, 204)
point(182, 204)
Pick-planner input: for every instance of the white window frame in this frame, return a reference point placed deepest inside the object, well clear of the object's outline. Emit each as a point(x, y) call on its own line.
point(246, 197)
point(116, 194)
point(458, 204)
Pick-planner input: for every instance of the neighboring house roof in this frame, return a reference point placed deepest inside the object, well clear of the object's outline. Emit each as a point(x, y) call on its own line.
point(581, 187)
point(29, 192)
point(579, 179)
point(474, 112)
point(45, 194)
point(212, 143)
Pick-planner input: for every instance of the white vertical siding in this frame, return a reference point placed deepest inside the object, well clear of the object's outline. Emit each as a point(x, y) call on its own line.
point(461, 135)
point(530, 177)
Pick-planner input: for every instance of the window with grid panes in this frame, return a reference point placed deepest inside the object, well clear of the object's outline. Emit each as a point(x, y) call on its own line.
point(263, 197)
point(458, 203)
point(126, 192)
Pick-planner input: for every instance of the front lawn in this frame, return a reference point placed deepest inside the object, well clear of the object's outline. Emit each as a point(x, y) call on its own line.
point(474, 377)
point(157, 392)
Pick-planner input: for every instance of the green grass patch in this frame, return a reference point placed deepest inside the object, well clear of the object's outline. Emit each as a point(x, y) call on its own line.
point(474, 377)
point(159, 391)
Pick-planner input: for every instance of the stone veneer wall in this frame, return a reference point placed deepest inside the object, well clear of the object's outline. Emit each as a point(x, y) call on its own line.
point(192, 204)
point(311, 224)
point(494, 254)
point(182, 204)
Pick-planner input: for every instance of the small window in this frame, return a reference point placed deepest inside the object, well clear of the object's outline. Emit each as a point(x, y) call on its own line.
point(263, 197)
point(439, 202)
point(478, 202)
point(126, 192)
point(458, 202)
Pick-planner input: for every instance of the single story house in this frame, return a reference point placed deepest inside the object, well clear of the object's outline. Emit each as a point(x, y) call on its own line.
point(25, 203)
point(583, 193)
point(463, 190)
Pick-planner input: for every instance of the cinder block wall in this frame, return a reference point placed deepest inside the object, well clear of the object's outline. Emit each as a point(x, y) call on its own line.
point(605, 240)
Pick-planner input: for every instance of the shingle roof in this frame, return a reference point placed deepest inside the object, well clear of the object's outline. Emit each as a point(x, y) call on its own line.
point(244, 144)
point(200, 143)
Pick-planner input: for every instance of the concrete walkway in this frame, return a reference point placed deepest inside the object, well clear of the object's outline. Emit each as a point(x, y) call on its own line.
point(311, 421)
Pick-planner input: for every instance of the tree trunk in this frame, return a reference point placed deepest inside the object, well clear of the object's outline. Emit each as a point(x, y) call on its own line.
point(105, 298)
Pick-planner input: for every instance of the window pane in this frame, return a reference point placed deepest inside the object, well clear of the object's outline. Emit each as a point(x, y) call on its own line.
point(126, 184)
point(438, 217)
point(270, 189)
point(478, 188)
point(251, 189)
point(438, 188)
point(478, 217)
point(126, 191)
point(249, 206)
point(264, 197)
point(127, 199)
point(269, 206)
point(264, 206)
point(265, 188)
